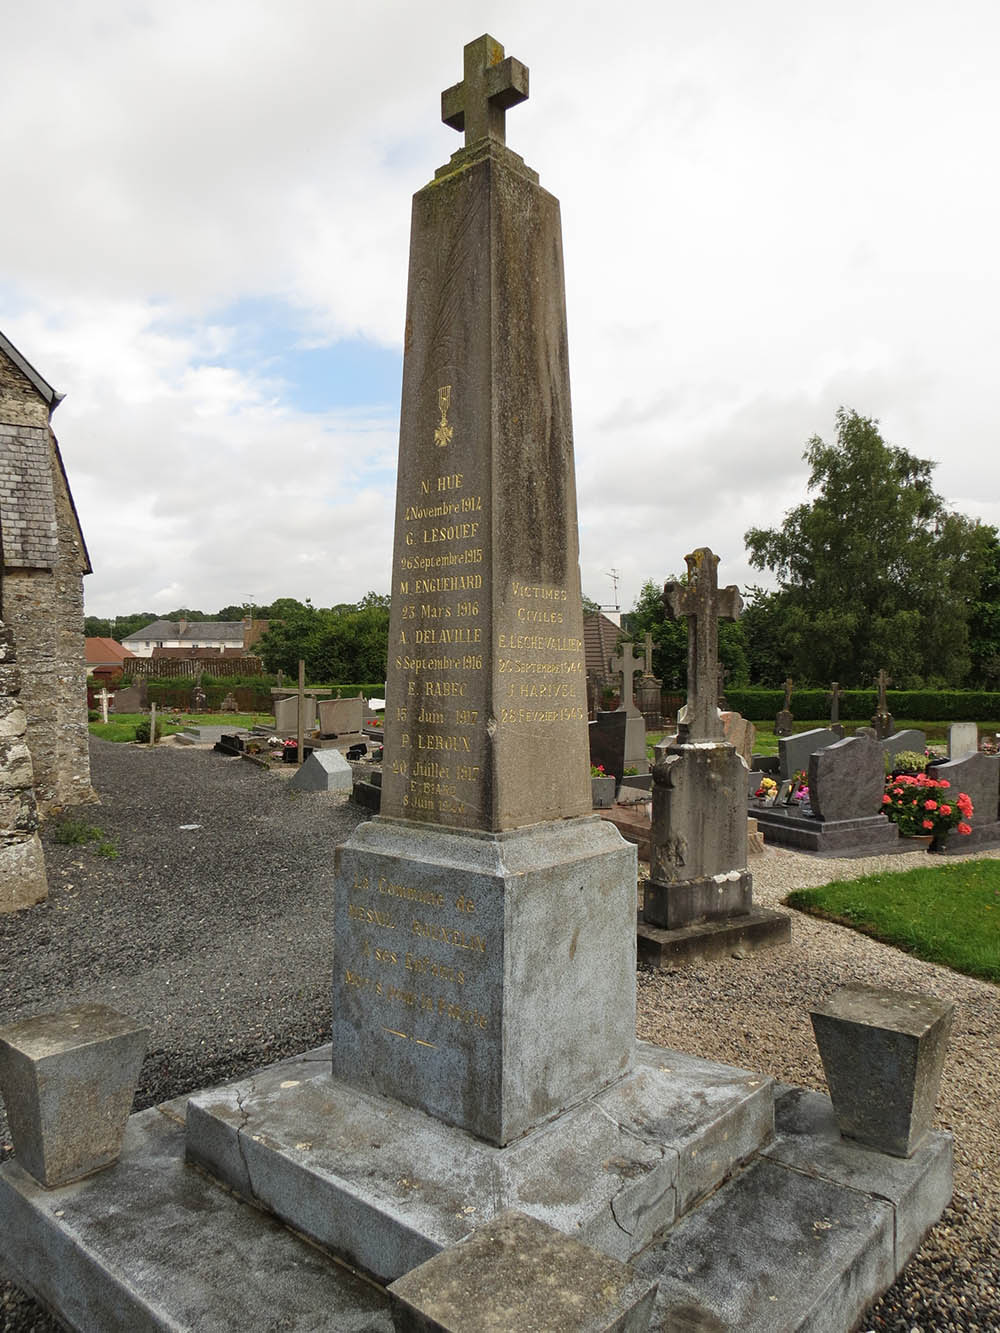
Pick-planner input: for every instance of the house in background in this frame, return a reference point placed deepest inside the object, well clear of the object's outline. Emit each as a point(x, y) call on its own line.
point(105, 658)
point(195, 638)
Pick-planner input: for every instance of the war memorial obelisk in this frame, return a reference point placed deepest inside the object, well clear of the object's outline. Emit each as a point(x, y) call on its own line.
point(484, 964)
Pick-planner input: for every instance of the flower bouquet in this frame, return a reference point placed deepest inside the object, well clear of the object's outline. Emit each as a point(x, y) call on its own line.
point(767, 791)
point(918, 805)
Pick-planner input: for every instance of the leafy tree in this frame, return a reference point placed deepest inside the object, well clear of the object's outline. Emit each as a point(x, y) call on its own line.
point(344, 644)
point(984, 619)
point(874, 571)
point(590, 607)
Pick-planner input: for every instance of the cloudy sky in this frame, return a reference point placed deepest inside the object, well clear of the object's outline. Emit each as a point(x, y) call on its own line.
point(768, 211)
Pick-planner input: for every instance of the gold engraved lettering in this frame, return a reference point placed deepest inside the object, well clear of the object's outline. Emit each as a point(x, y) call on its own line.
point(428, 611)
point(466, 609)
point(404, 587)
point(451, 583)
point(386, 956)
point(459, 634)
point(444, 432)
point(466, 717)
point(443, 743)
point(425, 488)
point(445, 689)
point(454, 532)
point(452, 482)
point(430, 717)
point(466, 772)
point(523, 591)
point(408, 611)
point(531, 615)
point(426, 897)
point(457, 938)
point(425, 965)
point(472, 555)
point(465, 904)
point(448, 1009)
point(371, 915)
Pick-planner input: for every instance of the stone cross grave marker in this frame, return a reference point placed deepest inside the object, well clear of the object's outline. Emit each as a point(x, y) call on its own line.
point(882, 721)
point(626, 666)
point(299, 695)
point(647, 655)
point(104, 696)
point(491, 85)
point(787, 705)
point(835, 696)
point(451, 907)
point(704, 604)
point(883, 682)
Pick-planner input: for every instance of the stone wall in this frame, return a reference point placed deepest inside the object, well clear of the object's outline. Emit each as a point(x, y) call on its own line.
point(41, 595)
point(22, 865)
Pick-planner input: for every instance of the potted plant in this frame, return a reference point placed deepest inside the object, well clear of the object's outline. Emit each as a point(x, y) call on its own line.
point(923, 806)
point(602, 787)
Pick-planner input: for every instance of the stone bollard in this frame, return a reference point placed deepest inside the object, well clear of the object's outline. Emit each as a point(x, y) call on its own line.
point(68, 1080)
point(883, 1052)
point(518, 1273)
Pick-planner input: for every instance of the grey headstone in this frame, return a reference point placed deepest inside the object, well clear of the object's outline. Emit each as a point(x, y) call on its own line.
point(286, 715)
point(324, 770)
point(131, 699)
point(339, 717)
point(520, 1274)
point(784, 723)
point(794, 751)
point(68, 1080)
point(741, 733)
point(607, 736)
point(847, 779)
point(883, 1052)
point(978, 775)
point(963, 739)
point(911, 739)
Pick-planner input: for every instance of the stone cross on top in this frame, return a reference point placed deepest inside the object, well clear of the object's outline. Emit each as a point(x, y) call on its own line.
point(835, 696)
point(883, 681)
point(647, 665)
point(705, 604)
point(626, 665)
point(478, 104)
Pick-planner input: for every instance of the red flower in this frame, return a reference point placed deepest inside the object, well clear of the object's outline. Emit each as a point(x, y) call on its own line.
point(930, 805)
point(887, 799)
point(946, 809)
point(964, 828)
point(928, 823)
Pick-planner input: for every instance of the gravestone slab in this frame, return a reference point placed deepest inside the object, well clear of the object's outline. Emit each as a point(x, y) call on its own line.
point(741, 734)
point(978, 775)
point(521, 1275)
point(784, 723)
point(131, 699)
point(286, 715)
point(606, 737)
point(794, 750)
point(324, 770)
point(963, 739)
point(847, 779)
point(910, 739)
point(339, 717)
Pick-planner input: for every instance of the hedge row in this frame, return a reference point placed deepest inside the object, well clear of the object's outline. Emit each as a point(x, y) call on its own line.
point(252, 694)
point(761, 705)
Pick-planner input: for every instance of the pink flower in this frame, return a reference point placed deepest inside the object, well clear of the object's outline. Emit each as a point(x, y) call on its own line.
point(964, 828)
point(946, 809)
point(887, 799)
point(964, 803)
point(928, 823)
point(930, 805)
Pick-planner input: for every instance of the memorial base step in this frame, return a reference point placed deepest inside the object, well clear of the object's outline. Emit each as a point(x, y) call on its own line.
point(386, 1186)
point(871, 835)
point(803, 1235)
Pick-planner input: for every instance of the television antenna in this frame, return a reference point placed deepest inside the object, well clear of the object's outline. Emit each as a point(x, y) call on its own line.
point(614, 575)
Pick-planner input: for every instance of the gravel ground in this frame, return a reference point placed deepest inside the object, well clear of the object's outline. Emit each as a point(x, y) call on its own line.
point(217, 938)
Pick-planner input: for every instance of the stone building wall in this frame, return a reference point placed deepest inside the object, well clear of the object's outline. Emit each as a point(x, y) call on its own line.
point(44, 561)
point(22, 866)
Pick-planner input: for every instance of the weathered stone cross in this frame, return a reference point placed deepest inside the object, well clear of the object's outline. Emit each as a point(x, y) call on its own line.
point(882, 682)
point(478, 104)
point(103, 696)
point(788, 693)
point(626, 666)
point(647, 669)
point(705, 604)
point(836, 694)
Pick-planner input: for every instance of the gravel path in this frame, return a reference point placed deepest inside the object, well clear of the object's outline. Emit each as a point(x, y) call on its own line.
point(217, 938)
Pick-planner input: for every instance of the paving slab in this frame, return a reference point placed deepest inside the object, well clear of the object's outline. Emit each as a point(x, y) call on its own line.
point(151, 1243)
point(387, 1186)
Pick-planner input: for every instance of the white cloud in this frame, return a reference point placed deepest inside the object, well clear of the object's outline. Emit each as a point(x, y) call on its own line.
point(767, 211)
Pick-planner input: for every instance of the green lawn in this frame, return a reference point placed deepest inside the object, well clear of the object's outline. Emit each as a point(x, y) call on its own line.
point(948, 914)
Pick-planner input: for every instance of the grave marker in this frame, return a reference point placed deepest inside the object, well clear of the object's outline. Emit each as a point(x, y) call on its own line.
point(783, 723)
point(449, 904)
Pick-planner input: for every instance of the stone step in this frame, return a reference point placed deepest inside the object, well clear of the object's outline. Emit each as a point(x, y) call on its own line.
point(151, 1243)
point(804, 1236)
point(387, 1186)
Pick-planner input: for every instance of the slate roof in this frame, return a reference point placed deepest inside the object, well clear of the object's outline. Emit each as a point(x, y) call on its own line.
point(27, 485)
point(600, 634)
point(194, 631)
